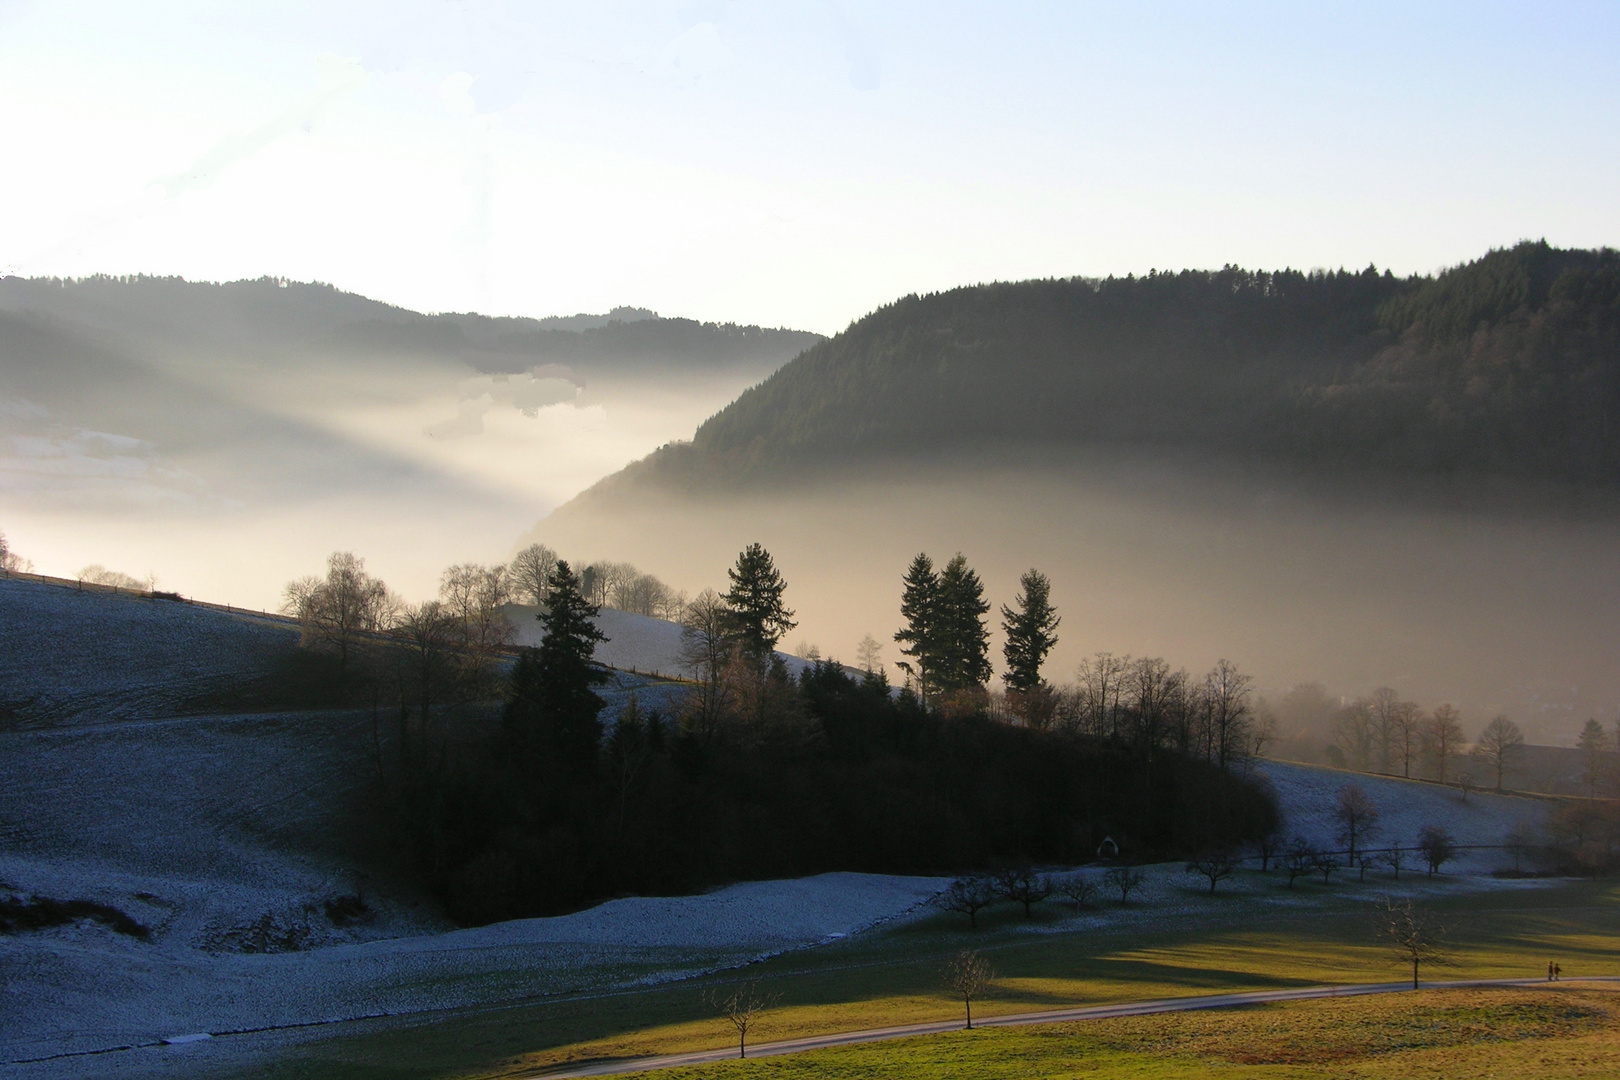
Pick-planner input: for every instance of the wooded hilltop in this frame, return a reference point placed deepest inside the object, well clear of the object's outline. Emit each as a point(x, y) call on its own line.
point(1508, 365)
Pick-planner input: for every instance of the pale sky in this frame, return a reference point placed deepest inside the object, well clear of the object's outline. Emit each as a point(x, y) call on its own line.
point(790, 163)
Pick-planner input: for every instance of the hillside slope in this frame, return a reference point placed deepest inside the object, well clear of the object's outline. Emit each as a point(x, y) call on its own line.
point(1506, 365)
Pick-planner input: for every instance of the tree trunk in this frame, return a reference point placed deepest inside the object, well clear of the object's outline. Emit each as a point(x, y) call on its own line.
point(1414, 974)
point(969, 1013)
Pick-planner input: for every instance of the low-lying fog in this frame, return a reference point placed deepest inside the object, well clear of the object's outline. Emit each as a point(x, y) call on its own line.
point(227, 479)
point(1496, 599)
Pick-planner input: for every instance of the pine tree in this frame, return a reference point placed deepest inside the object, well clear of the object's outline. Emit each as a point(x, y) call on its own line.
point(919, 606)
point(1031, 632)
point(755, 601)
point(964, 640)
point(551, 707)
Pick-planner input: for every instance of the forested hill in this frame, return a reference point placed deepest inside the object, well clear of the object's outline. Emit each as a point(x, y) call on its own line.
point(270, 318)
point(1506, 365)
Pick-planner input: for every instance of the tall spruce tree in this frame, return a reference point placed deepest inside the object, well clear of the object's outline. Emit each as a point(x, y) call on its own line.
point(755, 602)
point(551, 708)
point(1031, 632)
point(964, 641)
point(919, 606)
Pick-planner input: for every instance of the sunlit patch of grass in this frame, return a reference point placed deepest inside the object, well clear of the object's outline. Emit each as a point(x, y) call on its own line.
point(1552, 1032)
point(891, 979)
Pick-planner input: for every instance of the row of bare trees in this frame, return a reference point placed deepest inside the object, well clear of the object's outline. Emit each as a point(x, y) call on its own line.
point(1382, 733)
point(1144, 704)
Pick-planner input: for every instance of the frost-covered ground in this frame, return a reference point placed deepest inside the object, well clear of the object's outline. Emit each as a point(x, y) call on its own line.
point(231, 838)
point(68, 656)
point(86, 988)
point(1308, 794)
point(635, 642)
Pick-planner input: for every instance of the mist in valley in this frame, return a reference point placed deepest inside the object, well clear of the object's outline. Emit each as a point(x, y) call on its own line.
point(225, 438)
point(1492, 596)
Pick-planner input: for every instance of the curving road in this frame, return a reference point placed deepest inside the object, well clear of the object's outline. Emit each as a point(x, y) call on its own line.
point(618, 1066)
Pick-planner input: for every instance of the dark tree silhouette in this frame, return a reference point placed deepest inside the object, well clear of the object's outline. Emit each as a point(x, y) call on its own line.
point(551, 706)
point(1031, 632)
point(968, 895)
point(1022, 885)
point(964, 640)
point(919, 607)
point(755, 601)
point(1437, 846)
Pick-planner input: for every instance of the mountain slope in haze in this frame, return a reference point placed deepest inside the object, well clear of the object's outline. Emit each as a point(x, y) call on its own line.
point(270, 317)
point(226, 437)
point(1507, 365)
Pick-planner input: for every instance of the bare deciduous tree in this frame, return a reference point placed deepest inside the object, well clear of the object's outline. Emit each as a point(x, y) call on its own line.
point(707, 646)
point(1327, 862)
point(1127, 879)
point(1299, 860)
point(968, 895)
point(1499, 747)
point(1519, 840)
point(1079, 891)
point(1408, 724)
point(10, 561)
point(337, 611)
point(1213, 865)
point(1465, 784)
point(1357, 816)
point(1227, 690)
point(1269, 847)
point(1596, 756)
point(969, 975)
point(741, 1007)
point(472, 596)
point(1437, 846)
point(96, 574)
point(1384, 707)
point(869, 654)
point(1395, 859)
point(1022, 885)
point(1355, 735)
point(1414, 932)
point(1099, 686)
point(1441, 734)
point(531, 569)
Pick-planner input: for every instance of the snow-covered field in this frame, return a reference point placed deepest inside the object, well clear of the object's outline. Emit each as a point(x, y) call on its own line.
point(635, 642)
point(229, 837)
point(68, 656)
point(1405, 808)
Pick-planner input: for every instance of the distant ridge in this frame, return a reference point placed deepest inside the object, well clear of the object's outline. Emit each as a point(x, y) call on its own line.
point(1508, 365)
point(275, 317)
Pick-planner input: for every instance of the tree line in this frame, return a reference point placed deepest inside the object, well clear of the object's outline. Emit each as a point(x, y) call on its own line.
point(751, 772)
point(1504, 365)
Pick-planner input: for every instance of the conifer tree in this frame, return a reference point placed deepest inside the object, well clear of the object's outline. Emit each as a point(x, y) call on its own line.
point(755, 601)
point(964, 640)
point(551, 707)
point(919, 606)
point(1031, 632)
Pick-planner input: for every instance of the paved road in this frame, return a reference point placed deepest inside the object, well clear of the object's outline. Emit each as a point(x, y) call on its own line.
point(1052, 1016)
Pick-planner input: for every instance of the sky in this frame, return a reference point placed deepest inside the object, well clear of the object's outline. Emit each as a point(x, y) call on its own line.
point(792, 164)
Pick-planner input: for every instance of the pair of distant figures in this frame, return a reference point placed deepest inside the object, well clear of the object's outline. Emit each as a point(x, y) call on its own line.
point(1553, 971)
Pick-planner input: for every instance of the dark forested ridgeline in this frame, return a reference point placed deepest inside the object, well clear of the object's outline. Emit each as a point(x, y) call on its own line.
point(837, 775)
point(1509, 365)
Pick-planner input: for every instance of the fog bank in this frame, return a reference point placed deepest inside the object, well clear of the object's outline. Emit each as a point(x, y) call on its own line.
point(1498, 599)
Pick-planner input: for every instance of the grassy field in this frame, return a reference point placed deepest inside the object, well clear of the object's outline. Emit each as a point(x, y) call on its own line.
point(1560, 1031)
point(893, 978)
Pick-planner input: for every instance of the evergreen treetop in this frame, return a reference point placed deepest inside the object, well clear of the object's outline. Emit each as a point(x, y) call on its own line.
point(755, 602)
point(1031, 631)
